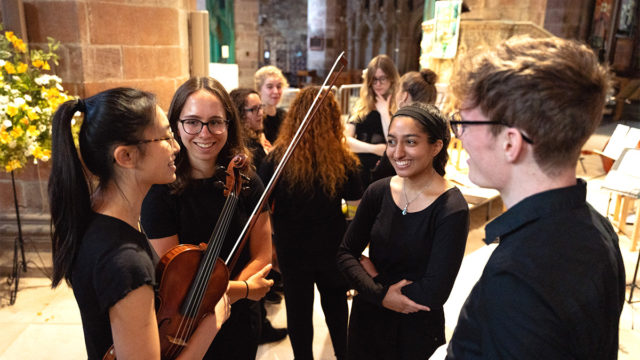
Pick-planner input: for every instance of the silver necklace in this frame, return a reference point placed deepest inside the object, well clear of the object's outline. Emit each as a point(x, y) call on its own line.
point(404, 191)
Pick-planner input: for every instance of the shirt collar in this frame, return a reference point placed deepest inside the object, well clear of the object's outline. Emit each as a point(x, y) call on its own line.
point(534, 207)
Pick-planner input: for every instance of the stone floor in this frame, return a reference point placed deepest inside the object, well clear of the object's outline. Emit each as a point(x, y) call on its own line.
point(45, 323)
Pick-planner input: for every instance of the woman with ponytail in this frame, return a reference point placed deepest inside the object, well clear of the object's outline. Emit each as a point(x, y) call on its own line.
point(95, 193)
point(416, 225)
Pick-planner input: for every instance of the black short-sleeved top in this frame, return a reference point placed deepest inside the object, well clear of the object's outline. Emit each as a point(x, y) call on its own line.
point(369, 130)
point(552, 289)
point(257, 151)
point(112, 259)
point(193, 213)
point(308, 225)
point(272, 124)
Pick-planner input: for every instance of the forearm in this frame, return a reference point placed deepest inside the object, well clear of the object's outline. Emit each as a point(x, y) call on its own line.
point(358, 146)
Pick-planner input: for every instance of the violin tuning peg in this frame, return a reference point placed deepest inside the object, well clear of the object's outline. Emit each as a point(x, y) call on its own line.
point(219, 185)
point(244, 188)
point(245, 177)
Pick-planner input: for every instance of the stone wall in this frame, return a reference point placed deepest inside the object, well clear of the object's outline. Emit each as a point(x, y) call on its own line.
point(142, 44)
point(104, 44)
point(282, 25)
point(514, 10)
point(247, 40)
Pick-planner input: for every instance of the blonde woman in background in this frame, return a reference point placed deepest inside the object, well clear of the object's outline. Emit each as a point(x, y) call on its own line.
point(366, 131)
point(270, 83)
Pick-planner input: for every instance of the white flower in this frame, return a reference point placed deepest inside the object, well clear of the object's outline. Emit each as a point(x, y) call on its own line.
point(7, 123)
point(59, 87)
point(27, 97)
point(2, 62)
point(42, 128)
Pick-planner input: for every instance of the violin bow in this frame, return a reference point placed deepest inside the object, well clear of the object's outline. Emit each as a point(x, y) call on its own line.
point(331, 78)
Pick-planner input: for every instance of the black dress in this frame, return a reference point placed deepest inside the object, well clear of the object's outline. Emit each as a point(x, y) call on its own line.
point(192, 216)
point(272, 124)
point(425, 247)
point(112, 260)
point(308, 228)
point(369, 130)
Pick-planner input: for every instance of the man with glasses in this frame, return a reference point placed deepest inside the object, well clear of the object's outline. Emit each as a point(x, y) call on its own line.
point(554, 286)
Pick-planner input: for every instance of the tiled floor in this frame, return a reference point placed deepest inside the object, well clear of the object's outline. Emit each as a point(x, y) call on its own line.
point(45, 323)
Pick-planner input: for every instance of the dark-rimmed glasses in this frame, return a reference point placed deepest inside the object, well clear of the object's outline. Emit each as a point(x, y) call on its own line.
point(255, 110)
point(194, 127)
point(381, 80)
point(458, 126)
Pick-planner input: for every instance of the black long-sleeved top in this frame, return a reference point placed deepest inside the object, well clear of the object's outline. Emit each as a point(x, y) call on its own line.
point(552, 289)
point(425, 247)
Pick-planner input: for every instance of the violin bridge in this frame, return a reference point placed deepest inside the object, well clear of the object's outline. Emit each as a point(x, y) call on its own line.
point(177, 341)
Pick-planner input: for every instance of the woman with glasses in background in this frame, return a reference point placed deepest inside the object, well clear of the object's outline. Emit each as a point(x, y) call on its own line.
point(366, 130)
point(126, 145)
point(185, 212)
point(251, 110)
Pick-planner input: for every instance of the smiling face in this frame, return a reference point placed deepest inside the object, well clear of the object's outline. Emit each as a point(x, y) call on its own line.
point(271, 91)
point(409, 149)
point(254, 119)
point(202, 148)
point(158, 165)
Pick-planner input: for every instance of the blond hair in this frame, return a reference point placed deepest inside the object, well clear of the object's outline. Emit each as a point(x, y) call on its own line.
point(266, 72)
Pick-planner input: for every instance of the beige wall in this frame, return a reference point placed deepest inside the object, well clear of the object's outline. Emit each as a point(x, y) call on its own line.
point(104, 44)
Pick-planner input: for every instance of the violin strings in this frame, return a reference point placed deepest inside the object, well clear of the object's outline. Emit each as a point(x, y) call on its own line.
point(203, 275)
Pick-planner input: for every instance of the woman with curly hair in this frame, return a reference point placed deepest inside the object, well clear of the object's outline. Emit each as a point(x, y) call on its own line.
point(308, 221)
point(366, 131)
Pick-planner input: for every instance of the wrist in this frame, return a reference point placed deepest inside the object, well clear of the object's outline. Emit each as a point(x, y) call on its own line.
point(246, 284)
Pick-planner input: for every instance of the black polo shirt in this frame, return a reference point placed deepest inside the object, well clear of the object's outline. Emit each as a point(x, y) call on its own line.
point(552, 289)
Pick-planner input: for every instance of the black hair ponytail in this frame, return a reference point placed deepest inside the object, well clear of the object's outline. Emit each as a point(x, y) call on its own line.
point(69, 197)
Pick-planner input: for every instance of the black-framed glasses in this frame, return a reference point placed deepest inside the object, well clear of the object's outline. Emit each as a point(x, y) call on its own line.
point(458, 126)
point(255, 110)
point(193, 126)
point(382, 80)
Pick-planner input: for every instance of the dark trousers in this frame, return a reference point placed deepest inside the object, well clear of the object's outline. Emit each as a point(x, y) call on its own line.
point(299, 295)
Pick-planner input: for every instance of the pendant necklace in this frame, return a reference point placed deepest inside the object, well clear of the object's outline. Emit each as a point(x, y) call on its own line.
point(404, 191)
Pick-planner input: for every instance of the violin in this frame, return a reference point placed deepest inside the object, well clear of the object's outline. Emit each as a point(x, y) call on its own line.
point(181, 304)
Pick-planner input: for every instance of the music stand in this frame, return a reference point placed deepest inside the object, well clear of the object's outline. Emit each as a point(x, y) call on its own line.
point(624, 179)
point(18, 245)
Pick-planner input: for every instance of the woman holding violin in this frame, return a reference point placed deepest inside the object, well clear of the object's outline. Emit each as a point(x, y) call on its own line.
point(308, 220)
point(416, 225)
point(185, 211)
point(126, 146)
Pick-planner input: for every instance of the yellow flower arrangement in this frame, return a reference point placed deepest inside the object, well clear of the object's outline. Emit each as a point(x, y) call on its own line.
point(28, 99)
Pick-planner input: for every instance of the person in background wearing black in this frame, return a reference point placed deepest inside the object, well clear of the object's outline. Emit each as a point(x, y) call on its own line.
point(126, 144)
point(270, 83)
point(554, 286)
point(414, 87)
point(416, 225)
point(366, 130)
point(250, 110)
point(185, 212)
point(308, 220)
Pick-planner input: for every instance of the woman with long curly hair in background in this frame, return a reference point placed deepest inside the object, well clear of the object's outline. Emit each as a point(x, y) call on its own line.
point(308, 221)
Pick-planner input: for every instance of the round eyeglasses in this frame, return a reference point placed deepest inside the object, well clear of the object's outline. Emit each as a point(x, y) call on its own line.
point(194, 127)
point(458, 125)
point(255, 110)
